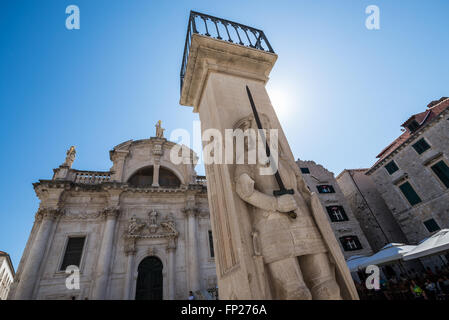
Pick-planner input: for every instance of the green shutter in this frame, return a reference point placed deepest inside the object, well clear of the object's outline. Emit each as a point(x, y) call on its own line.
point(442, 171)
point(432, 225)
point(410, 194)
point(421, 146)
point(391, 167)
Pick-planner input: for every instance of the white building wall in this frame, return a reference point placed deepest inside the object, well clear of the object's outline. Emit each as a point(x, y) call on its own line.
point(6, 275)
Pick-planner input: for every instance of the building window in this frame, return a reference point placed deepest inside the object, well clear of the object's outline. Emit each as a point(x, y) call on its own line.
point(410, 193)
point(73, 252)
point(391, 167)
point(431, 225)
point(211, 244)
point(324, 188)
point(337, 213)
point(421, 146)
point(442, 171)
point(350, 243)
point(305, 170)
point(413, 126)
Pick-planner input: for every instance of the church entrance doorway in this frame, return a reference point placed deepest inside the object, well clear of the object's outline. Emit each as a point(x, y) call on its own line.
point(149, 279)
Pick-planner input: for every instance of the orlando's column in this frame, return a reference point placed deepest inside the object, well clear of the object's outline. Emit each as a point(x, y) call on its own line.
point(221, 59)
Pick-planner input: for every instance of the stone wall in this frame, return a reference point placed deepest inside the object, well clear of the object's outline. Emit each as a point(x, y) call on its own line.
point(415, 169)
point(6, 275)
point(321, 176)
point(368, 206)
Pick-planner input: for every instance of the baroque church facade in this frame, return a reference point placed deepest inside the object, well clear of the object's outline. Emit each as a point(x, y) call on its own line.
point(139, 231)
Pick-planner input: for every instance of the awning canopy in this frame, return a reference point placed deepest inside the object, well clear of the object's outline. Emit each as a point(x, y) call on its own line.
point(389, 253)
point(436, 244)
point(354, 262)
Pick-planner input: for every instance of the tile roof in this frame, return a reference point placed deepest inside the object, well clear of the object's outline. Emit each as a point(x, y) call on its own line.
point(423, 118)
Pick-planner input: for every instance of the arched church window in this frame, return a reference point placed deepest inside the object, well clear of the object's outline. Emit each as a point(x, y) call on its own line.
point(168, 178)
point(142, 178)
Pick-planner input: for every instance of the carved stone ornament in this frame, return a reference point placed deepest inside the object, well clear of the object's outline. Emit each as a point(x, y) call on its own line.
point(191, 211)
point(137, 228)
point(72, 216)
point(47, 213)
point(157, 149)
point(111, 212)
point(151, 251)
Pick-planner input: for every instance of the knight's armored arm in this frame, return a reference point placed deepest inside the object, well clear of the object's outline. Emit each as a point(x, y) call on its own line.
point(245, 189)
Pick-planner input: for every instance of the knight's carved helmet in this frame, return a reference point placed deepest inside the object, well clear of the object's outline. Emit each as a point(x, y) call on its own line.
point(249, 122)
point(248, 127)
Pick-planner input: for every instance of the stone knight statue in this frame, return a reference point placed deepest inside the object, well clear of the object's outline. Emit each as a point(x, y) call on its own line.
point(159, 130)
point(302, 260)
point(70, 157)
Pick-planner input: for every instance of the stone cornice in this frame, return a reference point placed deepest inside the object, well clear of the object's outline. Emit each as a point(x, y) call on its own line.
point(126, 146)
point(124, 187)
point(430, 124)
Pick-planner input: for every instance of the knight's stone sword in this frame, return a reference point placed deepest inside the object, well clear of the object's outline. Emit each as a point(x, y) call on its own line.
point(282, 190)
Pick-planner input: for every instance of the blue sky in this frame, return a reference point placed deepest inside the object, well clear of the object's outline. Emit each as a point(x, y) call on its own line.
point(341, 91)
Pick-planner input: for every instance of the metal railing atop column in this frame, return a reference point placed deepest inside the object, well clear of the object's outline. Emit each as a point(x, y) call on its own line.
point(223, 30)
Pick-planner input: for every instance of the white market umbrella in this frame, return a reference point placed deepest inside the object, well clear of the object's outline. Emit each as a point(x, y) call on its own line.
point(354, 262)
point(436, 244)
point(391, 252)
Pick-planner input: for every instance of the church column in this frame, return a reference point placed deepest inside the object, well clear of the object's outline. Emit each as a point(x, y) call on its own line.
point(29, 274)
point(105, 254)
point(192, 244)
point(156, 175)
point(131, 255)
point(171, 248)
point(157, 151)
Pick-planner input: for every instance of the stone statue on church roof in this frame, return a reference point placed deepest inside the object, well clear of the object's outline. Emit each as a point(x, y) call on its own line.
point(159, 130)
point(70, 157)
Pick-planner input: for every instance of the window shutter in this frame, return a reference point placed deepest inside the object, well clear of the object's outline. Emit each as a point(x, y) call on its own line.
point(431, 225)
point(410, 194)
point(391, 167)
point(211, 244)
point(325, 188)
point(350, 243)
point(337, 213)
point(442, 171)
point(73, 252)
point(421, 146)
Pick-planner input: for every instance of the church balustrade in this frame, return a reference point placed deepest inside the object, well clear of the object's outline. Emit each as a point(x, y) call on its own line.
point(201, 180)
point(92, 177)
point(222, 29)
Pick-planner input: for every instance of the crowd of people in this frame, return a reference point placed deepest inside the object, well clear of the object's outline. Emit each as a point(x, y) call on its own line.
point(426, 285)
